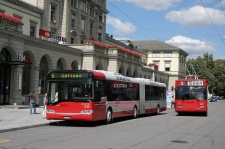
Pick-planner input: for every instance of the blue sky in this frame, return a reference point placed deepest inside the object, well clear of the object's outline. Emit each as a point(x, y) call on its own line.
point(196, 26)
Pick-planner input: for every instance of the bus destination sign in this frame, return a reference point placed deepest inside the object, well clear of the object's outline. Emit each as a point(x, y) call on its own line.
point(195, 83)
point(71, 75)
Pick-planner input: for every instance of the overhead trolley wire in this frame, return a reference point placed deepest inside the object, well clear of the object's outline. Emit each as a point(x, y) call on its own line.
point(221, 38)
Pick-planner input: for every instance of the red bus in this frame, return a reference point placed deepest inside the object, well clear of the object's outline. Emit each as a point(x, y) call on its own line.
point(191, 96)
point(92, 95)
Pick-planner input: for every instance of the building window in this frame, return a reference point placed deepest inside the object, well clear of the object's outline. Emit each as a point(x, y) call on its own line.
point(53, 13)
point(100, 33)
point(33, 28)
point(91, 27)
point(92, 11)
point(59, 65)
point(32, 31)
point(82, 24)
point(156, 54)
point(167, 54)
point(73, 20)
point(43, 75)
point(167, 66)
point(100, 17)
point(26, 79)
point(73, 3)
point(83, 6)
point(74, 65)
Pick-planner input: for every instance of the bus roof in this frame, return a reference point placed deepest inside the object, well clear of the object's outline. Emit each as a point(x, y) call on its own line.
point(152, 83)
point(113, 76)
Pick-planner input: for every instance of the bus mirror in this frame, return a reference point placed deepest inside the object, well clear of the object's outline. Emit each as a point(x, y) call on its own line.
point(96, 83)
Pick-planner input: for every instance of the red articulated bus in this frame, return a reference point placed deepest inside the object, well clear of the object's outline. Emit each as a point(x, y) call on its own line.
point(92, 95)
point(191, 96)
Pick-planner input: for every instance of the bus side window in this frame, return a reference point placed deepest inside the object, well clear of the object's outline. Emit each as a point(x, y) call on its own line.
point(100, 90)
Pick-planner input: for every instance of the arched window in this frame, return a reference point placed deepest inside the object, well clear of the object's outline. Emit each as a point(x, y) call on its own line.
point(26, 77)
point(121, 70)
point(59, 65)
point(5, 55)
point(43, 74)
point(74, 66)
point(5, 71)
point(97, 67)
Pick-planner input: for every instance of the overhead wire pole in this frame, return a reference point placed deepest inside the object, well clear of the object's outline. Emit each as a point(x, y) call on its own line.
point(196, 76)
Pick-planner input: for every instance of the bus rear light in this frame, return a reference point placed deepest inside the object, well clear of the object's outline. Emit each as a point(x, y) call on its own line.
point(180, 107)
point(50, 111)
point(86, 112)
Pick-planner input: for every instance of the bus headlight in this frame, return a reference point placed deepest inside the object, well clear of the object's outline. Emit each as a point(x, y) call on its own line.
point(50, 111)
point(180, 107)
point(86, 112)
point(201, 107)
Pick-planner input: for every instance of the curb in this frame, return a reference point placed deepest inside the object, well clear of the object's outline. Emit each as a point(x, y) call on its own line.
point(24, 127)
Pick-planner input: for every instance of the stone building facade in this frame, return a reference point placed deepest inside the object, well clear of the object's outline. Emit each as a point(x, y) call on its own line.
point(27, 56)
point(25, 59)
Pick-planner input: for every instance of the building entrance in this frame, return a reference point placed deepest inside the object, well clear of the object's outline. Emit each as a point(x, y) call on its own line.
point(5, 73)
point(5, 84)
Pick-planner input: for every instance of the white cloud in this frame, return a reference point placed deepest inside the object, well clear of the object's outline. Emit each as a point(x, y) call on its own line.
point(120, 28)
point(218, 5)
point(194, 47)
point(197, 16)
point(154, 4)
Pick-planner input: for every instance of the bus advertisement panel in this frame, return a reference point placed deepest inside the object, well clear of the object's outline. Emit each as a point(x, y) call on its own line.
point(191, 96)
point(92, 95)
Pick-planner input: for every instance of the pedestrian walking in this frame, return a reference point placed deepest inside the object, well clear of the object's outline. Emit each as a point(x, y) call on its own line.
point(32, 101)
point(45, 101)
point(173, 102)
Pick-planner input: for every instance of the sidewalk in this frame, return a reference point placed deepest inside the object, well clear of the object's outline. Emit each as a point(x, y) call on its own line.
point(14, 117)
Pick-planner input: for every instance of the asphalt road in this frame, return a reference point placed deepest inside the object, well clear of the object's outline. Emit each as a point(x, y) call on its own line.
point(165, 131)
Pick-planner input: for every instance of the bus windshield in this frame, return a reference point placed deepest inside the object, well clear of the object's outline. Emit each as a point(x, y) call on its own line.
point(70, 90)
point(183, 93)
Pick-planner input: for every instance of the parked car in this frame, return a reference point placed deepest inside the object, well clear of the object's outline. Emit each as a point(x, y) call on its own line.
point(214, 99)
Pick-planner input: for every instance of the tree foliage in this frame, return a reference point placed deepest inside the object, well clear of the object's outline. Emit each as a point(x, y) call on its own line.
point(211, 70)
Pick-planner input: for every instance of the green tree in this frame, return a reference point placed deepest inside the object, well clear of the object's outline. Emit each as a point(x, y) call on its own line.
point(211, 70)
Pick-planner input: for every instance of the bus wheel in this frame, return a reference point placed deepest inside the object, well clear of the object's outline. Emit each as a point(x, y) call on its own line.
point(109, 116)
point(135, 115)
point(158, 110)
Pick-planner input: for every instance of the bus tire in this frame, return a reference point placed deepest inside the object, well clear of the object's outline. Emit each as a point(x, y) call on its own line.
point(135, 114)
point(109, 118)
point(158, 110)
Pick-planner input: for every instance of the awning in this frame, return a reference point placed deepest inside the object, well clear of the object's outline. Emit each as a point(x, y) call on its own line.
point(96, 43)
point(10, 18)
point(128, 50)
point(153, 64)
